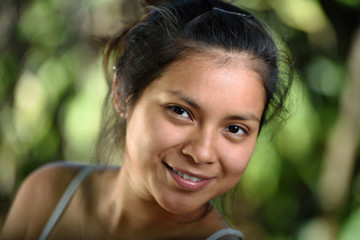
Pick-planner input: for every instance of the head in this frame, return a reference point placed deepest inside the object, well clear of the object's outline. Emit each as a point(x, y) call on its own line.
point(185, 33)
point(175, 30)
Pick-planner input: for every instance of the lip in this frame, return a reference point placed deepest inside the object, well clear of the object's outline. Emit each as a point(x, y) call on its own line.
point(187, 184)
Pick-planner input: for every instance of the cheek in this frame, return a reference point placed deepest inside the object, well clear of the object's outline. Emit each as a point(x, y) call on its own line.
point(237, 158)
point(161, 134)
point(166, 136)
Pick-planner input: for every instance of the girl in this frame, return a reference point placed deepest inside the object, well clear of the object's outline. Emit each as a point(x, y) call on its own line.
point(194, 81)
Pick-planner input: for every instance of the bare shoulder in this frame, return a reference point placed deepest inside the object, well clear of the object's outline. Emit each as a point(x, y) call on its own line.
point(36, 199)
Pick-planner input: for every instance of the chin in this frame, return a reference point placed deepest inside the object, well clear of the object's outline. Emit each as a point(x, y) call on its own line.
point(182, 206)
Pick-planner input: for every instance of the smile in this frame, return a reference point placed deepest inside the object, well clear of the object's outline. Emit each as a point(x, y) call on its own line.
point(187, 177)
point(186, 181)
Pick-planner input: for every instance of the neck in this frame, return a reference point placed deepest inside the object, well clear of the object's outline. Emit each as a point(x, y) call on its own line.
point(128, 211)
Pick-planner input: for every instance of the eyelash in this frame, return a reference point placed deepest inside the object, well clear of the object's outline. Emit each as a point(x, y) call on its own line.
point(244, 131)
point(175, 108)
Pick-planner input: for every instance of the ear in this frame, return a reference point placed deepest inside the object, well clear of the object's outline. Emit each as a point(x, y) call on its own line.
point(115, 96)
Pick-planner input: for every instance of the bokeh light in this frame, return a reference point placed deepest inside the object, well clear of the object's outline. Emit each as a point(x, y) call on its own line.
point(52, 89)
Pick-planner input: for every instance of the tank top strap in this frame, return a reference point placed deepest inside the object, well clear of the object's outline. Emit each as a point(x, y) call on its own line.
point(65, 199)
point(226, 232)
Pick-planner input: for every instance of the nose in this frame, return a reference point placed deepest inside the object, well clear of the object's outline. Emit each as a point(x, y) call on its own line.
point(201, 147)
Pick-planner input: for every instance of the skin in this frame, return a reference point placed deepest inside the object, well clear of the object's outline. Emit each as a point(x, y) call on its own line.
point(200, 117)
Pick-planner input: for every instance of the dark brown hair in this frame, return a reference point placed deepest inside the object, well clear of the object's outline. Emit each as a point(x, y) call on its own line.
point(171, 31)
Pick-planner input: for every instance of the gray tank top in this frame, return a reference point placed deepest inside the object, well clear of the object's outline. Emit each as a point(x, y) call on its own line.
point(73, 186)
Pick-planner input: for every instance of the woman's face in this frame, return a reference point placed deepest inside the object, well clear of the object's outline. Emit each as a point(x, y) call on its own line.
point(192, 132)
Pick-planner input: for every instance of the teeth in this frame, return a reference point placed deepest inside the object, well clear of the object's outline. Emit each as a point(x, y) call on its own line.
point(194, 179)
point(187, 177)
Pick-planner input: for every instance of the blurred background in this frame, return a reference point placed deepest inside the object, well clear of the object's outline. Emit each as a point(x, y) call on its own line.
point(303, 182)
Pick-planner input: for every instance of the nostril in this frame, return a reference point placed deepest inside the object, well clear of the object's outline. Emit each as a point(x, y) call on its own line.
point(187, 152)
point(199, 154)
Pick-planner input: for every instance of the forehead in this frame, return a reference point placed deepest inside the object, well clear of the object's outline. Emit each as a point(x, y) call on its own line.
point(213, 81)
point(213, 61)
point(225, 58)
point(221, 56)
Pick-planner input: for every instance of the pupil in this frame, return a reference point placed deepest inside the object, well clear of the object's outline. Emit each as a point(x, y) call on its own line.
point(234, 129)
point(178, 110)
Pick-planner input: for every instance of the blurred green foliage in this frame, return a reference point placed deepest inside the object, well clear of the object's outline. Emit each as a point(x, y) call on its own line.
point(52, 88)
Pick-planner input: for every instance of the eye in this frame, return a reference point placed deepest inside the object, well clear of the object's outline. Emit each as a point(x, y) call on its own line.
point(236, 130)
point(180, 111)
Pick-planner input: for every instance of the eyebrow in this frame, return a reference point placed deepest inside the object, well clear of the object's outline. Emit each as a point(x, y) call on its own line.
point(185, 99)
point(244, 117)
